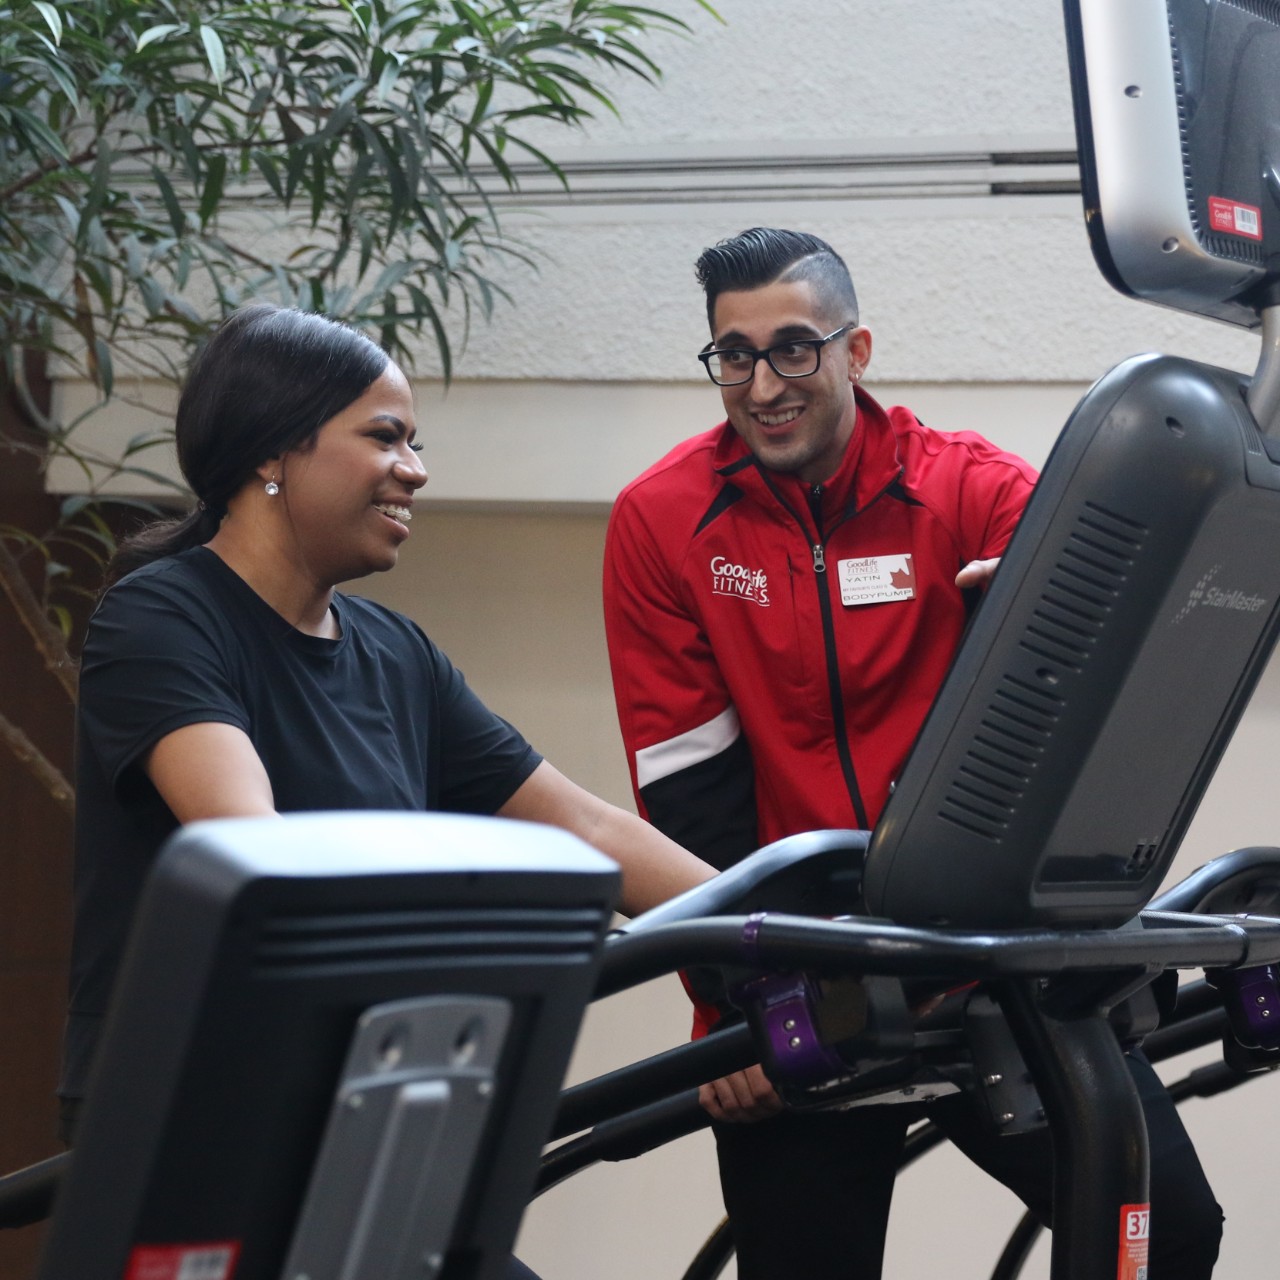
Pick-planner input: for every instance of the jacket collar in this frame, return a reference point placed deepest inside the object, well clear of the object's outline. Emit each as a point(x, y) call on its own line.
point(870, 464)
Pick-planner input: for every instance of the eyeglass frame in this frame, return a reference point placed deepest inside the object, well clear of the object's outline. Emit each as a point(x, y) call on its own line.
point(766, 354)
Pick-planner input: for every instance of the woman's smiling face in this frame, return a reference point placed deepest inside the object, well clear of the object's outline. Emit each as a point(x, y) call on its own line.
point(349, 494)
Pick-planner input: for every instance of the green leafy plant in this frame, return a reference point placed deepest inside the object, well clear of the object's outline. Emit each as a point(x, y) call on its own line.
point(163, 160)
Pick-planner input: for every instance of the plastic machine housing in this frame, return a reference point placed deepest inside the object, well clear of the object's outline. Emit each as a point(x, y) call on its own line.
point(1177, 107)
point(1129, 621)
point(338, 1040)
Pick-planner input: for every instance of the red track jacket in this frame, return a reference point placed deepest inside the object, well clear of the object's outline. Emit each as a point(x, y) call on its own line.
point(775, 645)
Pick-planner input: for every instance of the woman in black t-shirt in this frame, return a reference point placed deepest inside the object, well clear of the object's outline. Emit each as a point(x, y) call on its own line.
point(225, 676)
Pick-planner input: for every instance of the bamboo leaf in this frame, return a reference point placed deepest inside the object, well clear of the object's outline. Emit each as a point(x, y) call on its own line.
point(106, 368)
point(147, 440)
point(484, 94)
point(73, 505)
point(337, 122)
point(99, 187)
point(65, 81)
point(70, 212)
point(271, 175)
point(175, 303)
point(40, 135)
point(25, 538)
point(215, 179)
point(442, 343)
point(51, 16)
point(318, 188)
point(152, 34)
point(365, 233)
point(215, 53)
point(153, 297)
point(359, 18)
point(177, 219)
point(387, 79)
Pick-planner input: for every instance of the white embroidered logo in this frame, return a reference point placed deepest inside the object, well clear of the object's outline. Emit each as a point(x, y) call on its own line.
point(728, 579)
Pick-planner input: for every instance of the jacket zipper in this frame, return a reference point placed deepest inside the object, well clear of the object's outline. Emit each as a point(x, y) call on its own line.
point(833, 669)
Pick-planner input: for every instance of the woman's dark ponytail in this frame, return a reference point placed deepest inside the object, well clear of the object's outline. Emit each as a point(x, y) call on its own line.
point(264, 384)
point(162, 538)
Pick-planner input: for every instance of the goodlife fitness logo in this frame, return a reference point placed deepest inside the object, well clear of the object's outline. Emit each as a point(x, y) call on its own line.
point(1205, 595)
point(729, 579)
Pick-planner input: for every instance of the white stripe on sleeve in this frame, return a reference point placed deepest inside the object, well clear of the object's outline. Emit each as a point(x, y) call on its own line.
point(686, 749)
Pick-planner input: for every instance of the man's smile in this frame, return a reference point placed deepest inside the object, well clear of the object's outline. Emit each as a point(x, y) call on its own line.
point(777, 419)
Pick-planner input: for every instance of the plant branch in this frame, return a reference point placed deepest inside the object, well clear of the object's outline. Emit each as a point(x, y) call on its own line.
point(48, 639)
point(38, 765)
point(35, 417)
point(45, 167)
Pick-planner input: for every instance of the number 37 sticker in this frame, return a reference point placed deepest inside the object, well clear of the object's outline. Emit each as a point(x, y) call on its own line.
point(1135, 1236)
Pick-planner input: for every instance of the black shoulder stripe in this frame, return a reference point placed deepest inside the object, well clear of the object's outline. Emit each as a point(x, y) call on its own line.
point(724, 500)
point(895, 490)
point(734, 467)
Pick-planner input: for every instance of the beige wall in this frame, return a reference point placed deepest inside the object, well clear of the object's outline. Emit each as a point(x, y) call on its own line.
point(514, 599)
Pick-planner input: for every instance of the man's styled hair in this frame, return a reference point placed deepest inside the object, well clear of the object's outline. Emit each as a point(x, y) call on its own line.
point(767, 255)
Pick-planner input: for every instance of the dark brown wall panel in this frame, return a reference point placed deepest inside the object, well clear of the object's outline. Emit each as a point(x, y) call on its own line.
point(35, 883)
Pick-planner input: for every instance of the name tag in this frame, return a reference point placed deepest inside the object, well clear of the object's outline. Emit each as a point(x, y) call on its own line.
point(876, 580)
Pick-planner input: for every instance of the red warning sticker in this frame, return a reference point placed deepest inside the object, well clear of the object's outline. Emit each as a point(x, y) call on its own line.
point(1234, 218)
point(214, 1261)
point(1135, 1236)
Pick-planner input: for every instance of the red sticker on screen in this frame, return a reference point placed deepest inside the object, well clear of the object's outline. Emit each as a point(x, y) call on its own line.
point(213, 1261)
point(1234, 218)
point(1135, 1237)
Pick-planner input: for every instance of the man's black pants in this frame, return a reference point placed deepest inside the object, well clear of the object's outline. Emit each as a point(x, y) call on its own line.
point(808, 1195)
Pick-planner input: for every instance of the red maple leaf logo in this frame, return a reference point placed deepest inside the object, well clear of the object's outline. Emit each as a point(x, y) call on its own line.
point(903, 579)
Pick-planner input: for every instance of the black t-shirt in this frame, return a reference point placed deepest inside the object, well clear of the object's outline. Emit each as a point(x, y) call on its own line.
point(378, 719)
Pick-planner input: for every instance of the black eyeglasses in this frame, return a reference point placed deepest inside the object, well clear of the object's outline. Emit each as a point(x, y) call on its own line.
point(795, 358)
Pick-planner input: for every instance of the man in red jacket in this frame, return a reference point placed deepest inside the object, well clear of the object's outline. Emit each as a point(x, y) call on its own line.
point(783, 596)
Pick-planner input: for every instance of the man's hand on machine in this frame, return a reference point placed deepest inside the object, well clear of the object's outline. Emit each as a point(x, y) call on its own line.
point(742, 1098)
point(977, 573)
